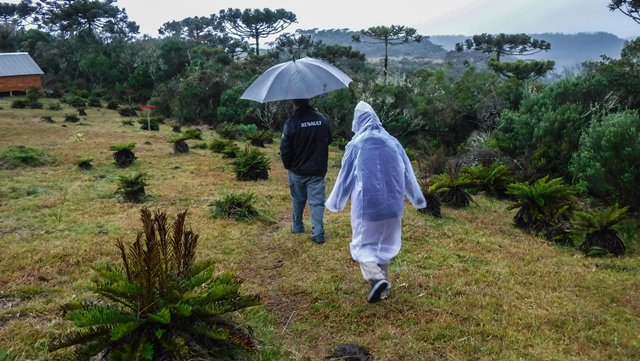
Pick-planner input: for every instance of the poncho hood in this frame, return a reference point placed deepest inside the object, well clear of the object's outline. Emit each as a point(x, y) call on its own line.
point(364, 118)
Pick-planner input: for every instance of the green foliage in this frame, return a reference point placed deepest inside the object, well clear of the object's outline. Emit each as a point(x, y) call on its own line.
point(84, 162)
point(245, 129)
point(522, 70)
point(226, 147)
point(55, 106)
point(19, 104)
point(430, 192)
point(95, 102)
point(71, 118)
point(492, 179)
point(599, 234)
point(251, 165)
point(239, 206)
point(112, 105)
point(452, 186)
point(128, 111)
point(228, 131)
point(153, 123)
point(233, 109)
point(21, 156)
point(201, 145)
point(504, 44)
point(256, 23)
point(608, 158)
point(131, 187)
point(193, 133)
point(162, 304)
point(543, 206)
point(76, 101)
point(123, 154)
point(259, 138)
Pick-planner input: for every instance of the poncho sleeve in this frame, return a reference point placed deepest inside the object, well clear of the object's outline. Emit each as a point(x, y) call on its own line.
point(411, 187)
point(344, 183)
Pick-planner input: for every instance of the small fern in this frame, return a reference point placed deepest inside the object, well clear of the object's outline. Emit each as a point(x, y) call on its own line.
point(123, 155)
point(84, 162)
point(430, 192)
point(599, 234)
point(491, 180)
point(543, 205)
point(239, 206)
point(251, 165)
point(452, 186)
point(131, 187)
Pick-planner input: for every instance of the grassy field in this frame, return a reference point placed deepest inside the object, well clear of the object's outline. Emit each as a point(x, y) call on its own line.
point(468, 286)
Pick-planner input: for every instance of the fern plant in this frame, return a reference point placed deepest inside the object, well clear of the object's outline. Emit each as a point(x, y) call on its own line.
point(123, 155)
point(179, 143)
point(239, 206)
point(452, 186)
point(259, 138)
point(430, 192)
point(226, 147)
point(131, 187)
point(160, 304)
point(543, 206)
point(491, 180)
point(228, 131)
point(251, 165)
point(84, 162)
point(597, 227)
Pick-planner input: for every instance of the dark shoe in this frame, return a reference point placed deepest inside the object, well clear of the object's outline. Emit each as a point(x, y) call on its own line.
point(377, 288)
point(318, 240)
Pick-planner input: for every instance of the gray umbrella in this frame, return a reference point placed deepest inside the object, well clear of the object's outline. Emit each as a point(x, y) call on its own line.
point(297, 79)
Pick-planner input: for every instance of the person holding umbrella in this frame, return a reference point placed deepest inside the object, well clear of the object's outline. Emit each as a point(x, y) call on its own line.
point(304, 150)
point(376, 174)
point(304, 147)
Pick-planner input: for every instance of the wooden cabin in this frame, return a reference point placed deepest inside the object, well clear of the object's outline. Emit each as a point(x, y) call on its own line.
point(19, 72)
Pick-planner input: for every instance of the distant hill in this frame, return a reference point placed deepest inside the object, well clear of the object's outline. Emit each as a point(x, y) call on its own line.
point(567, 50)
point(424, 49)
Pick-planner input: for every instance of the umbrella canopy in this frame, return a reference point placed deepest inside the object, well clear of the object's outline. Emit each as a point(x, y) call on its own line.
point(297, 79)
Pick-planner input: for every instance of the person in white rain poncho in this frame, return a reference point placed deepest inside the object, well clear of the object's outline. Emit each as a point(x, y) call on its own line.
point(377, 174)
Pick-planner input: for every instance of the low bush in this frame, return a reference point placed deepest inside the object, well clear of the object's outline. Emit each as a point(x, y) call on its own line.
point(19, 104)
point(128, 111)
point(95, 102)
point(430, 192)
point(491, 180)
point(227, 148)
point(131, 187)
point(228, 131)
point(123, 154)
point(597, 228)
point(260, 138)
point(84, 162)
point(251, 165)
point(239, 206)
point(55, 106)
point(22, 156)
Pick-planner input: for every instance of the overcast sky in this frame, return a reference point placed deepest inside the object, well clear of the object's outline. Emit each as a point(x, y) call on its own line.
point(429, 17)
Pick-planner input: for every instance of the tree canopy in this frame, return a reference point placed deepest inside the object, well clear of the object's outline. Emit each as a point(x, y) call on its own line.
point(256, 23)
point(504, 44)
point(393, 35)
point(630, 8)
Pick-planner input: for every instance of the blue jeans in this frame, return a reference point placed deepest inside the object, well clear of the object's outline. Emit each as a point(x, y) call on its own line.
point(309, 189)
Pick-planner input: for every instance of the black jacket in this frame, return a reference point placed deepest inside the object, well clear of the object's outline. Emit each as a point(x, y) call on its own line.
point(304, 147)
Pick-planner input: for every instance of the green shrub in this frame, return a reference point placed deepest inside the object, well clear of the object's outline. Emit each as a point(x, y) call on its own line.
point(239, 206)
point(193, 133)
point(123, 154)
point(597, 227)
point(84, 162)
point(200, 145)
point(179, 143)
point(608, 159)
point(128, 111)
point(452, 186)
point(259, 138)
point(227, 148)
point(251, 165)
point(492, 180)
point(131, 187)
point(76, 101)
point(19, 104)
point(430, 192)
point(112, 105)
point(228, 131)
point(71, 118)
point(55, 106)
point(247, 129)
point(95, 102)
point(153, 122)
point(22, 156)
point(161, 304)
point(543, 206)
point(35, 105)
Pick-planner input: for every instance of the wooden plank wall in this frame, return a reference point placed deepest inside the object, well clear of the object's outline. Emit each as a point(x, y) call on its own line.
point(20, 83)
